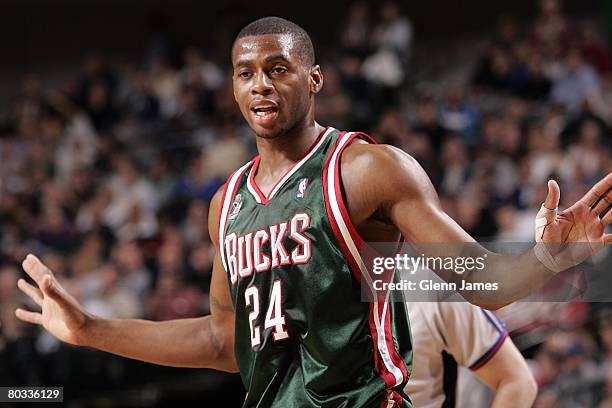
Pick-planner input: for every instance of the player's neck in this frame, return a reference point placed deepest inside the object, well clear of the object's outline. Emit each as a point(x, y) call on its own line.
point(279, 153)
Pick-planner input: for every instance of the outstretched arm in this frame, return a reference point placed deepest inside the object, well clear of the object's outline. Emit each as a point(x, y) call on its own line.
point(380, 179)
point(199, 342)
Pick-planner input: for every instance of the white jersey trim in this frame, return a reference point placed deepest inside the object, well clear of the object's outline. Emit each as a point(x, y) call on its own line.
point(333, 200)
point(225, 206)
point(291, 172)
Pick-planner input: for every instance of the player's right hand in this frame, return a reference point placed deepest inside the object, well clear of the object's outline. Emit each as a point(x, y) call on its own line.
point(61, 314)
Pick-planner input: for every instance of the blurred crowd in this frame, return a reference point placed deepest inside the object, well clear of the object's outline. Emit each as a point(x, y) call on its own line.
point(107, 175)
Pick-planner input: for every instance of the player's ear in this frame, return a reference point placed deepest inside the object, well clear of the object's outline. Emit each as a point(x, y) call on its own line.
point(316, 79)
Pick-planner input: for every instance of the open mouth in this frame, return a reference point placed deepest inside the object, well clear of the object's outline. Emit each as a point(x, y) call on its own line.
point(264, 111)
point(264, 115)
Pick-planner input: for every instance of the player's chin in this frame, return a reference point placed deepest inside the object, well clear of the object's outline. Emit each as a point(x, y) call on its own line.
point(267, 132)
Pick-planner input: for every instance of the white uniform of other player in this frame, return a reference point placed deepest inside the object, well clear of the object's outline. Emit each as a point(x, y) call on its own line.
point(446, 335)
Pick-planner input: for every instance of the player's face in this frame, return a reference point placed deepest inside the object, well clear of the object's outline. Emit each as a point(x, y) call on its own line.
point(272, 85)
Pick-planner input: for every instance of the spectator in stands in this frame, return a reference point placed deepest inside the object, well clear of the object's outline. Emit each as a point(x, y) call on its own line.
point(166, 85)
point(584, 158)
point(427, 121)
point(596, 52)
point(199, 72)
point(387, 65)
point(130, 263)
point(363, 94)
point(394, 32)
point(132, 201)
point(225, 154)
point(495, 69)
point(551, 29)
point(456, 166)
point(196, 183)
point(108, 295)
point(10, 328)
point(579, 83)
point(533, 84)
point(163, 179)
point(356, 30)
point(141, 103)
point(97, 73)
point(195, 226)
point(100, 108)
point(333, 104)
point(78, 145)
point(458, 115)
point(173, 299)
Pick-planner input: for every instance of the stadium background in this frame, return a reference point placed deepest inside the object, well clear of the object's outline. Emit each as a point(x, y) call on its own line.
point(117, 125)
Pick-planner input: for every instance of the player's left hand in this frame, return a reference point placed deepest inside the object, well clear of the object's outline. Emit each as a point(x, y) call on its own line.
point(583, 223)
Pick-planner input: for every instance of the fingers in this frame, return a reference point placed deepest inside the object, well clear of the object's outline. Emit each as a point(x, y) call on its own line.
point(607, 239)
point(30, 317)
point(598, 190)
point(607, 219)
point(31, 291)
point(35, 268)
point(554, 193)
point(603, 203)
point(543, 218)
point(45, 280)
point(51, 288)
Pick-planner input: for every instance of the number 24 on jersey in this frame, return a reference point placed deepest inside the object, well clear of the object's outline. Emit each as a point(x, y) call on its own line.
point(274, 315)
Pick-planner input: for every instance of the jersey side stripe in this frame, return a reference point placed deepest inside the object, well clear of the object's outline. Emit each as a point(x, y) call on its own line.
point(228, 195)
point(383, 334)
point(380, 309)
point(384, 317)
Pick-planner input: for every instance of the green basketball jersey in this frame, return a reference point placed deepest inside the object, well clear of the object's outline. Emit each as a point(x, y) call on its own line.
point(303, 336)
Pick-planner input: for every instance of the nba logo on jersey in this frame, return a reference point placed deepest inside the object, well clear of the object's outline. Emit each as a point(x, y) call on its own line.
point(301, 190)
point(236, 206)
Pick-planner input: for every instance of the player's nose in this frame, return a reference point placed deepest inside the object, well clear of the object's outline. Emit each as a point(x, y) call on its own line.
point(261, 84)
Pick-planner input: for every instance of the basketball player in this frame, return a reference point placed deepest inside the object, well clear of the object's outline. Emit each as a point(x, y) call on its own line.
point(447, 335)
point(288, 226)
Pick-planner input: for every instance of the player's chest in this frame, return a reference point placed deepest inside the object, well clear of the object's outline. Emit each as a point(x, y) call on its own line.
point(260, 238)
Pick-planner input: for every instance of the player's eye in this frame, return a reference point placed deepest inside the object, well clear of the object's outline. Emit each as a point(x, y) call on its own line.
point(279, 70)
point(244, 74)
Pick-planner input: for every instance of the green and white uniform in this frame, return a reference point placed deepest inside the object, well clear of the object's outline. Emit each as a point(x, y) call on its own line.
point(303, 336)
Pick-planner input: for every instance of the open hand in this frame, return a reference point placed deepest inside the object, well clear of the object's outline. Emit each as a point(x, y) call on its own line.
point(579, 231)
point(61, 314)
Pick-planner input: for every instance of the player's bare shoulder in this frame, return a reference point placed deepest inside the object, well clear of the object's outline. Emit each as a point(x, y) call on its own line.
point(368, 173)
point(381, 170)
point(360, 153)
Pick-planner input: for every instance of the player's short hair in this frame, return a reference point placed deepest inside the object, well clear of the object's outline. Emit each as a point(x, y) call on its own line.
point(277, 25)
